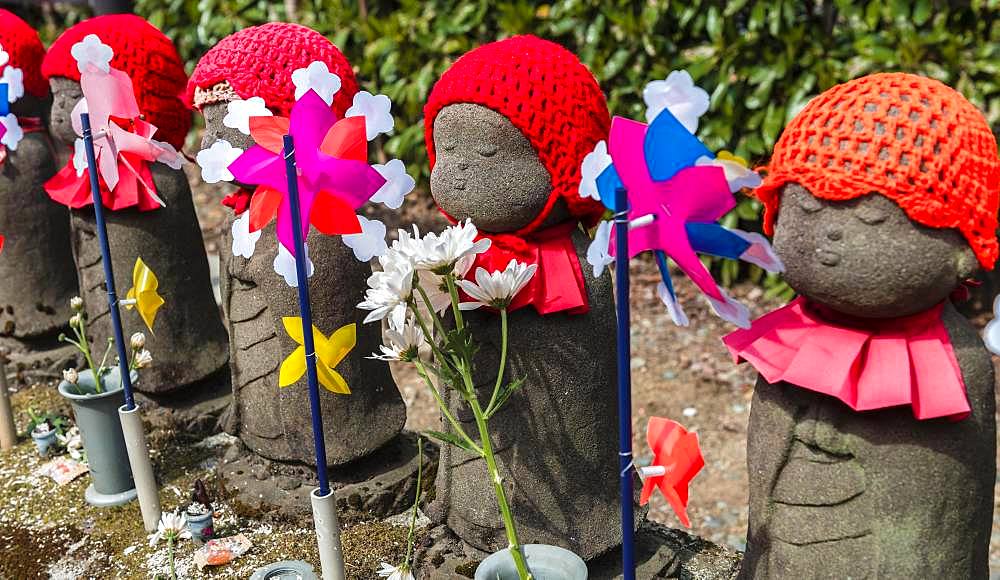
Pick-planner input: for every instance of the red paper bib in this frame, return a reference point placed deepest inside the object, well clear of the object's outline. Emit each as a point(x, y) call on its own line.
point(868, 365)
point(558, 285)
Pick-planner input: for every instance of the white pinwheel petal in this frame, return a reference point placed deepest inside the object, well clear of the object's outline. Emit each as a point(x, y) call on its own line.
point(370, 243)
point(239, 112)
point(244, 241)
point(317, 77)
point(91, 50)
point(678, 94)
point(4, 56)
point(738, 176)
point(215, 161)
point(284, 265)
point(594, 163)
point(14, 78)
point(674, 309)
point(79, 157)
point(376, 109)
point(14, 132)
point(398, 183)
point(730, 310)
point(760, 252)
point(598, 252)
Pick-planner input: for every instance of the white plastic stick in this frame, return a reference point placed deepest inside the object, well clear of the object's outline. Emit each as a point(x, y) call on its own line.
point(331, 554)
point(142, 467)
point(8, 434)
point(641, 221)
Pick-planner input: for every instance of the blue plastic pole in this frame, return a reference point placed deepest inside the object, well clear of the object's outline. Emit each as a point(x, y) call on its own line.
point(109, 275)
point(624, 383)
point(307, 335)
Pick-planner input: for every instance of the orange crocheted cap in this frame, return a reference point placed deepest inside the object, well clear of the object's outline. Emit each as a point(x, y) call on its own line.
point(912, 139)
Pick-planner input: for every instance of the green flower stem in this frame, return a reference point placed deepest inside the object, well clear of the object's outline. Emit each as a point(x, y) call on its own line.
point(503, 362)
point(494, 473)
point(170, 552)
point(430, 309)
point(416, 502)
point(444, 408)
point(449, 281)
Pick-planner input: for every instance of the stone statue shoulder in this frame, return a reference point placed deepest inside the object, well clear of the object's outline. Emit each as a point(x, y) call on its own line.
point(33, 160)
point(973, 359)
point(171, 184)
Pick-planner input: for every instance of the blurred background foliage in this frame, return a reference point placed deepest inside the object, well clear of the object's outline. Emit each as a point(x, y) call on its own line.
point(760, 61)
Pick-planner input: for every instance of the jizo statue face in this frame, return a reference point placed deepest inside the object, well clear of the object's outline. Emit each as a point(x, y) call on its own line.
point(215, 129)
point(66, 93)
point(486, 169)
point(864, 257)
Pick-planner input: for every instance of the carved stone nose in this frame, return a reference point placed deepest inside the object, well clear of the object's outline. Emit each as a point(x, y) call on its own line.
point(834, 235)
point(463, 165)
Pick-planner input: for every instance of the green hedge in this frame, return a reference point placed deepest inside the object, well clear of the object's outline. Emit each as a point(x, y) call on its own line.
point(761, 61)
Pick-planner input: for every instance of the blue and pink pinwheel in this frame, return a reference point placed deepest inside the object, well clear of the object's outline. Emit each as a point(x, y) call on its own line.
point(677, 190)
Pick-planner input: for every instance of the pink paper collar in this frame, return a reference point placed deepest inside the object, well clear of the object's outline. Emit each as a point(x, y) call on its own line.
point(870, 364)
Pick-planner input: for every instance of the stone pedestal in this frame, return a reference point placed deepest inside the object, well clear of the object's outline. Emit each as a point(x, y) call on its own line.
point(275, 422)
point(188, 341)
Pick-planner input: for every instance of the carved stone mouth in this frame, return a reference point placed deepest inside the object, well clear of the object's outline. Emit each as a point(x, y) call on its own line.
point(459, 184)
point(827, 257)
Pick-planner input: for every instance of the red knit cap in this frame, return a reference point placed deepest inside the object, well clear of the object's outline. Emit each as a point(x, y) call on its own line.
point(21, 43)
point(909, 138)
point(146, 56)
point(547, 93)
point(259, 61)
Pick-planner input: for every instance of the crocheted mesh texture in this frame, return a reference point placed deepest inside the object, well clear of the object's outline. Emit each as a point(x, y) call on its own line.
point(909, 138)
point(220, 93)
point(547, 93)
point(147, 56)
point(21, 43)
point(259, 61)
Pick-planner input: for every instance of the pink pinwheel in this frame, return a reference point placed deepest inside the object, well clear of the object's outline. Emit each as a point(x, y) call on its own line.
point(123, 146)
point(334, 176)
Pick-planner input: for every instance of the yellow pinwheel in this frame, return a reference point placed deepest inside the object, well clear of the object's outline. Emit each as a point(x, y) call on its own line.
point(143, 295)
point(329, 353)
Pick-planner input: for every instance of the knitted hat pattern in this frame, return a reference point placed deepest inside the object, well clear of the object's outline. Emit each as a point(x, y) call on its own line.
point(548, 94)
point(259, 61)
point(147, 56)
point(912, 139)
point(21, 43)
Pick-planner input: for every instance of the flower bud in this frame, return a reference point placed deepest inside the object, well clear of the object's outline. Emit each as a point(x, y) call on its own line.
point(71, 376)
point(76, 303)
point(138, 341)
point(143, 359)
point(74, 320)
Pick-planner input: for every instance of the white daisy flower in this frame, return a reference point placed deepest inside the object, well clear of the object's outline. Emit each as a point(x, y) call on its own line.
point(497, 289)
point(401, 572)
point(593, 165)
point(679, 95)
point(376, 111)
point(239, 112)
point(388, 291)
point(172, 527)
point(397, 184)
point(284, 265)
point(244, 241)
point(215, 161)
point(402, 339)
point(316, 76)
point(91, 50)
point(370, 242)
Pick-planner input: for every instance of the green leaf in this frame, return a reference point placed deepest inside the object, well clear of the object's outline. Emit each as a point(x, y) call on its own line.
point(451, 439)
point(505, 392)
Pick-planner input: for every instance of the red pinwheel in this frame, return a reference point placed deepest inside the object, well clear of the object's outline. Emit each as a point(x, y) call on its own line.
point(676, 460)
